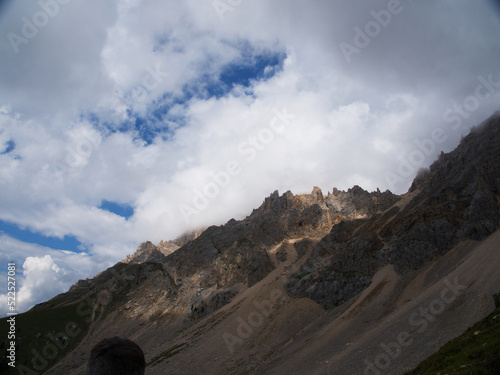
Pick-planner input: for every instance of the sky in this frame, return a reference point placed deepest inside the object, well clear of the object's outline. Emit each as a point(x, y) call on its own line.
point(124, 121)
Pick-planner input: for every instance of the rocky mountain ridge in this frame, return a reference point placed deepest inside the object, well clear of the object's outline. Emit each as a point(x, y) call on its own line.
point(225, 259)
point(294, 216)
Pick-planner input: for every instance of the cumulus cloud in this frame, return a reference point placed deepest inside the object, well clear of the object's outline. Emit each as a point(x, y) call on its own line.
point(41, 272)
point(42, 277)
point(126, 102)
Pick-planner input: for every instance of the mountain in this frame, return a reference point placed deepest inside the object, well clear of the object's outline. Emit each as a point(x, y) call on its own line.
point(351, 282)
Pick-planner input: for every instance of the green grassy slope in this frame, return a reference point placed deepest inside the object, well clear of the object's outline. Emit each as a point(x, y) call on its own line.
point(44, 336)
point(476, 352)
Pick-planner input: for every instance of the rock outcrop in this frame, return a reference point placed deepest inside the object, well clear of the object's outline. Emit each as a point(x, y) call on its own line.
point(148, 252)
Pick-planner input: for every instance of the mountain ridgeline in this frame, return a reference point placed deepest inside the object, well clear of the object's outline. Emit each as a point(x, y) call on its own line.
point(312, 283)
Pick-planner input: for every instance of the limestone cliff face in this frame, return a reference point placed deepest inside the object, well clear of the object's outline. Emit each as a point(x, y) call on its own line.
point(313, 215)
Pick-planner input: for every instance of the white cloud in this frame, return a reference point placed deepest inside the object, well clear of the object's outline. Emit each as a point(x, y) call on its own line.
point(42, 272)
point(42, 277)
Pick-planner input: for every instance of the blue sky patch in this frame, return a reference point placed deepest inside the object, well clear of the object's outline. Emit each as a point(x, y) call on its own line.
point(249, 67)
point(10, 147)
point(123, 210)
point(259, 67)
point(159, 121)
point(67, 243)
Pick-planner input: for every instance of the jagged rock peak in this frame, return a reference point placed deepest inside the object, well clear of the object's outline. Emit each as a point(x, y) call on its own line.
point(148, 252)
point(358, 203)
point(346, 202)
point(275, 202)
point(316, 192)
